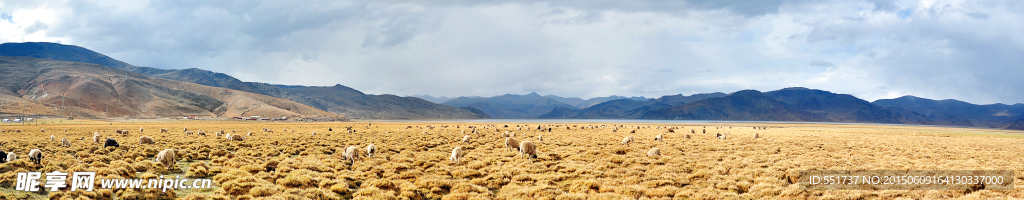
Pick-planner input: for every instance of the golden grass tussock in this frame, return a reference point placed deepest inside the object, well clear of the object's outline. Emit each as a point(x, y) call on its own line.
point(573, 161)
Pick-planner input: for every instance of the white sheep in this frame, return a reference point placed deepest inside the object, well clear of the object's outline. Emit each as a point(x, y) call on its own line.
point(188, 133)
point(96, 137)
point(11, 157)
point(658, 138)
point(370, 150)
point(51, 138)
point(627, 140)
point(528, 149)
point(465, 138)
point(166, 157)
point(756, 135)
point(163, 130)
point(140, 129)
point(313, 134)
point(654, 152)
point(540, 138)
point(351, 154)
point(185, 129)
point(64, 142)
point(146, 140)
point(35, 155)
point(511, 143)
point(456, 155)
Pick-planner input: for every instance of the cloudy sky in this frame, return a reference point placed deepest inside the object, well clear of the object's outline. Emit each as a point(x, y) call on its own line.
point(967, 50)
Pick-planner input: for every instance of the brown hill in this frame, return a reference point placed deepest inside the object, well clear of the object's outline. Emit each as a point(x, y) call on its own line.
point(41, 86)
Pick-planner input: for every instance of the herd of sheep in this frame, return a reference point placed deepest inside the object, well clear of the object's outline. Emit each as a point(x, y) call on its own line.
point(526, 149)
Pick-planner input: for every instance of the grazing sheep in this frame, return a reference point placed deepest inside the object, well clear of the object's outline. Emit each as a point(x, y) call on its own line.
point(96, 137)
point(505, 134)
point(465, 139)
point(220, 133)
point(51, 138)
point(111, 142)
point(687, 136)
point(146, 140)
point(118, 131)
point(512, 134)
point(756, 135)
point(671, 130)
point(313, 134)
point(632, 131)
point(188, 132)
point(124, 132)
point(202, 133)
point(658, 138)
point(35, 155)
point(456, 155)
point(627, 140)
point(370, 150)
point(249, 134)
point(511, 143)
point(163, 130)
point(528, 149)
point(64, 142)
point(720, 136)
point(140, 129)
point(540, 138)
point(166, 157)
point(654, 152)
point(236, 138)
point(691, 131)
point(351, 154)
point(11, 157)
point(185, 129)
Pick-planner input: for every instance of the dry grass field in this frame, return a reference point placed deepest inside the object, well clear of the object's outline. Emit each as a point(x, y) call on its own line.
point(583, 161)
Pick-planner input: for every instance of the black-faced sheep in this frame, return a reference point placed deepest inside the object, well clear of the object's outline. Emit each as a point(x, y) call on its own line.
point(166, 157)
point(528, 149)
point(654, 152)
point(110, 142)
point(658, 138)
point(511, 143)
point(188, 133)
point(371, 150)
point(202, 133)
point(146, 140)
point(456, 155)
point(35, 155)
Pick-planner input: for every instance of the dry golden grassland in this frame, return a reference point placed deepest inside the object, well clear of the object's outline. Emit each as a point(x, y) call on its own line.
point(573, 163)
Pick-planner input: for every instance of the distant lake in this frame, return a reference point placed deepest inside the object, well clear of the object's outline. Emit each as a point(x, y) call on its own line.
point(634, 121)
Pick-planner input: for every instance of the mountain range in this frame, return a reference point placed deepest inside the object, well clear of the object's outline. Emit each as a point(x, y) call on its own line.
point(57, 79)
point(337, 99)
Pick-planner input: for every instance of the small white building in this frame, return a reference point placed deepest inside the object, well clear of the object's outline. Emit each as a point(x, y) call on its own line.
point(30, 120)
point(17, 120)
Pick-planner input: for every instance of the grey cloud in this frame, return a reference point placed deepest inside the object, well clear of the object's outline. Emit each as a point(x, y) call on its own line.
point(571, 48)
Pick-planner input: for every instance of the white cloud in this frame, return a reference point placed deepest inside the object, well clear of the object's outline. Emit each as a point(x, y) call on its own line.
point(966, 50)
